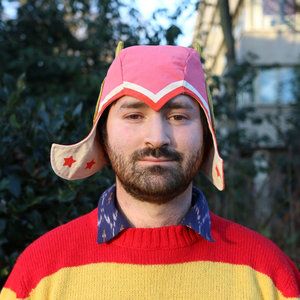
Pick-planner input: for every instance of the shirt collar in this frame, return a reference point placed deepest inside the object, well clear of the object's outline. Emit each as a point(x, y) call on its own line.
point(111, 221)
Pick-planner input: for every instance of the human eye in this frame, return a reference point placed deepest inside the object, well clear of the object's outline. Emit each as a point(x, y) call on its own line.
point(133, 117)
point(178, 117)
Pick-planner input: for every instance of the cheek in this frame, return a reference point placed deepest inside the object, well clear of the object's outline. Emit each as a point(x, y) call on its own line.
point(122, 138)
point(190, 140)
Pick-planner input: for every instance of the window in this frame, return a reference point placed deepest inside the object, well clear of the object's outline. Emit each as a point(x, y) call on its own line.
point(278, 7)
point(275, 86)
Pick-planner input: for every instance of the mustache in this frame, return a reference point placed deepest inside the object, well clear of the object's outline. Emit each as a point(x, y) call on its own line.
point(161, 152)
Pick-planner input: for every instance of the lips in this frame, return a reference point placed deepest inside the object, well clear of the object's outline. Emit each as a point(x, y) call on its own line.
point(156, 160)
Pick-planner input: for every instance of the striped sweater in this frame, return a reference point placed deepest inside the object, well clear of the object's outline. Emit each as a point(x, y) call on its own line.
point(172, 262)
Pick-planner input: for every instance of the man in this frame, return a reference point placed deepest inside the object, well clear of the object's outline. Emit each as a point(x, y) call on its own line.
point(152, 235)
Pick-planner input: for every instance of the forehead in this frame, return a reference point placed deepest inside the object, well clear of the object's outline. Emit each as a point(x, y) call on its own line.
point(178, 102)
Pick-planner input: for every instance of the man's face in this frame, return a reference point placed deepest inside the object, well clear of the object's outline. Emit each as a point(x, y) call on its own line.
point(155, 155)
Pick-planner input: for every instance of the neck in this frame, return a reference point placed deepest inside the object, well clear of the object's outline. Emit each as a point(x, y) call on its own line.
point(143, 214)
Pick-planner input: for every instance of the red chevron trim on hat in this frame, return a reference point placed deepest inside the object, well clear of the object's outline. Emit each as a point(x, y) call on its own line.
point(154, 97)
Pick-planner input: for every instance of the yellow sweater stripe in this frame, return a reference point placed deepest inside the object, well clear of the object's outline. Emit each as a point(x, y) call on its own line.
point(8, 294)
point(197, 280)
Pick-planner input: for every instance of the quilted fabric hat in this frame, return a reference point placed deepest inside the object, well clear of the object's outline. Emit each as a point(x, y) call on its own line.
point(155, 75)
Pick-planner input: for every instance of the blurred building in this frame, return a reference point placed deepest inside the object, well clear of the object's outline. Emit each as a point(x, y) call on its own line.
point(267, 35)
point(268, 30)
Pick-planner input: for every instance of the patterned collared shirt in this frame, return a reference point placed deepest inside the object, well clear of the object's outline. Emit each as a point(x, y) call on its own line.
point(111, 221)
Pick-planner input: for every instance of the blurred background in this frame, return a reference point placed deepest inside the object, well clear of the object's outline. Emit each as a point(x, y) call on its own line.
point(53, 58)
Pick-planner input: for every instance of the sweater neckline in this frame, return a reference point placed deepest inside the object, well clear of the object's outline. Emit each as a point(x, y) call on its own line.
point(166, 237)
point(111, 222)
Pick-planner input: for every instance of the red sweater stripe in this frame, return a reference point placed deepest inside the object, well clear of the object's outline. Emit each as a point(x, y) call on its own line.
point(74, 244)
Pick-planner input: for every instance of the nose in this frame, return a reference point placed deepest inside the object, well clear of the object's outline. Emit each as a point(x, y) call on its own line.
point(157, 133)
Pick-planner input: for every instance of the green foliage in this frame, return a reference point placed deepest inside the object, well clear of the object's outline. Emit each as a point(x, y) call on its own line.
point(53, 57)
point(172, 33)
point(262, 178)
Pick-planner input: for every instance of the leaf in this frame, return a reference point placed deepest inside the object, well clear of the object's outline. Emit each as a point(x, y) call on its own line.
point(77, 110)
point(8, 81)
point(14, 185)
point(2, 225)
point(44, 115)
point(4, 184)
point(14, 122)
point(21, 83)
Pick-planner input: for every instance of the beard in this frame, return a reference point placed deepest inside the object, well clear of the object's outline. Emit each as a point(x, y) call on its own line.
point(158, 183)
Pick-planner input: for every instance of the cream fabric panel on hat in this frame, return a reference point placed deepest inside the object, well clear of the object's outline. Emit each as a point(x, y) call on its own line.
point(79, 160)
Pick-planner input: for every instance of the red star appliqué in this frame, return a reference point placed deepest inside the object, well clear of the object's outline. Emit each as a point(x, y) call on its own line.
point(69, 161)
point(90, 164)
point(218, 172)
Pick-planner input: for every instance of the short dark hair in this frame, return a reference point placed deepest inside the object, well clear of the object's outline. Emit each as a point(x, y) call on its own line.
point(101, 127)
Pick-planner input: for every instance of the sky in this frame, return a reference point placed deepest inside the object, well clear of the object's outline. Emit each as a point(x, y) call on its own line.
point(186, 22)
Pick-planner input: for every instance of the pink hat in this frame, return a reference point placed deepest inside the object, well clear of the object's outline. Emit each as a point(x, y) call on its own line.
point(155, 75)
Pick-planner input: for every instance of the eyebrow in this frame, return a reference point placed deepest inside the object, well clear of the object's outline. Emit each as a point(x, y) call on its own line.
point(169, 105)
point(133, 104)
point(179, 105)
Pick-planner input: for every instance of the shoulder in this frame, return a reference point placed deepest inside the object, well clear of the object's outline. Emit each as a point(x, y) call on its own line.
point(54, 250)
point(228, 230)
point(242, 246)
point(83, 228)
point(245, 244)
point(230, 234)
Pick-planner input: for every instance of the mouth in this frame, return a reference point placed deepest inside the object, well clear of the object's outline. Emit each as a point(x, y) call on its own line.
point(154, 160)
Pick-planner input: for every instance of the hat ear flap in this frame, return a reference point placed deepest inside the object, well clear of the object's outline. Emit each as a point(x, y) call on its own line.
point(210, 102)
point(119, 47)
point(98, 102)
point(197, 47)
